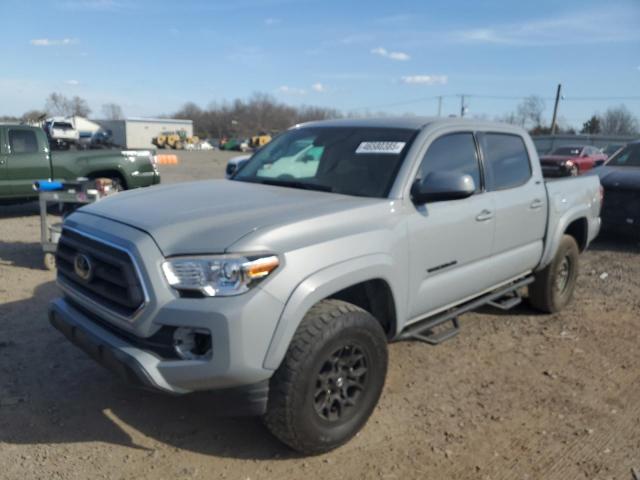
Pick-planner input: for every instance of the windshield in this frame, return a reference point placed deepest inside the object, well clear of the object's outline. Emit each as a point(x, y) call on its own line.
point(567, 151)
point(609, 149)
point(347, 160)
point(629, 156)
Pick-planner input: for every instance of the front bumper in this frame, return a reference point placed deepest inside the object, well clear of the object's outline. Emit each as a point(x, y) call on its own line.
point(144, 369)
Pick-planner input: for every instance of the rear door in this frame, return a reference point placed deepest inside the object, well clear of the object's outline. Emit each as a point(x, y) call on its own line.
point(521, 204)
point(27, 159)
point(450, 242)
point(5, 189)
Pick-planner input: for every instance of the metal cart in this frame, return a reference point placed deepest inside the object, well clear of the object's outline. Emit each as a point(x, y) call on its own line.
point(69, 200)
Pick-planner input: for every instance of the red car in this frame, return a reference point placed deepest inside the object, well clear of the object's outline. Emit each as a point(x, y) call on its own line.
point(571, 160)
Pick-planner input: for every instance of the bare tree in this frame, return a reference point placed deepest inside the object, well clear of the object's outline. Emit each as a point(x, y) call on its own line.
point(592, 125)
point(58, 104)
point(530, 110)
point(260, 113)
point(511, 118)
point(33, 116)
point(79, 106)
point(112, 111)
point(619, 121)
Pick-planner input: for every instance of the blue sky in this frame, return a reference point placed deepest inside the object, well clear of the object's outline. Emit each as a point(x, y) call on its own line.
point(152, 56)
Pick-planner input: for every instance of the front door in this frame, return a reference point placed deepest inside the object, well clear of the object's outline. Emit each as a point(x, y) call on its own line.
point(450, 242)
point(27, 160)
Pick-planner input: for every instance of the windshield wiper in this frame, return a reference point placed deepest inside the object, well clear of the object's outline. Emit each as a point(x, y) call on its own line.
point(296, 184)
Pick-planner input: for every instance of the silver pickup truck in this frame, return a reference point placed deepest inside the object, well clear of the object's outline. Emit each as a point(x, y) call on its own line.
point(280, 288)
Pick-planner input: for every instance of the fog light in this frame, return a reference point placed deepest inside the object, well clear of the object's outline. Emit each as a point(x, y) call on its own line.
point(192, 343)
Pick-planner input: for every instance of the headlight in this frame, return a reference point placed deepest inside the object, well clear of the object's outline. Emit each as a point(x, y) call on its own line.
point(219, 276)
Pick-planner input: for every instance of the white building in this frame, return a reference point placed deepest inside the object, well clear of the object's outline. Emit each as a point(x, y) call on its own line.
point(139, 132)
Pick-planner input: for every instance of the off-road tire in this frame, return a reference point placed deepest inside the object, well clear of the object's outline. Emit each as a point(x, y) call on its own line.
point(292, 411)
point(544, 294)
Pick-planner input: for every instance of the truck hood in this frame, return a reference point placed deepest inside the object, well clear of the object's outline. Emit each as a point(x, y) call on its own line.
point(619, 178)
point(208, 217)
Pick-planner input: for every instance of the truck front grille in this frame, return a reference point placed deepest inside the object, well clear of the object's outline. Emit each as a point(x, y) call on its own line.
point(101, 272)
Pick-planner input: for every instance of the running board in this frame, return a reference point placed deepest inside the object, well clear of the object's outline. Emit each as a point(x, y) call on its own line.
point(507, 302)
point(504, 298)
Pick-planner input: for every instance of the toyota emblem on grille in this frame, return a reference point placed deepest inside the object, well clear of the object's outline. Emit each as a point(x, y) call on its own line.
point(83, 267)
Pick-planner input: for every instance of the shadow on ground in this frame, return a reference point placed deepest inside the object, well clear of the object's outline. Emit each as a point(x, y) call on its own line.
point(19, 210)
point(612, 242)
point(22, 254)
point(52, 393)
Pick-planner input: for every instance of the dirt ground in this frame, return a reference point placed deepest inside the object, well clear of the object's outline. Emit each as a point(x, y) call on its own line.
point(516, 395)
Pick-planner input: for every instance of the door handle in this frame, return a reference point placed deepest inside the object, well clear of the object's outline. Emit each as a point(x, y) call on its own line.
point(537, 203)
point(484, 216)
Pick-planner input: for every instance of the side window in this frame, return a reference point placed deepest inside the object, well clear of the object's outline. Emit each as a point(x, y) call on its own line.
point(455, 152)
point(23, 141)
point(506, 160)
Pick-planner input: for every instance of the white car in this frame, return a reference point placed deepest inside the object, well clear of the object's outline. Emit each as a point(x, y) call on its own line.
point(61, 129)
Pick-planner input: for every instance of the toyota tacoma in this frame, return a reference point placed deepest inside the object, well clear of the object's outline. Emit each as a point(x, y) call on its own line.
point(281, 287)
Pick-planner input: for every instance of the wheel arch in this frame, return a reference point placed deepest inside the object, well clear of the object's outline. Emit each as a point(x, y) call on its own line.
point(110, 173)
point(579, 230)
point(574, 223)
point(365, 281)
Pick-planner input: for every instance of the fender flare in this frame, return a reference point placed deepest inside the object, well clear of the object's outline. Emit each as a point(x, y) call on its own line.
point(563, 223)
point(321, 285)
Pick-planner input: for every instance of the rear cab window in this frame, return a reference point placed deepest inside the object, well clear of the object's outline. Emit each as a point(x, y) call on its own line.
point(506, 160)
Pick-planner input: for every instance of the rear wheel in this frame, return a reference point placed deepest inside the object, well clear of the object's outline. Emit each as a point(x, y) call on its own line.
point(330, 380)
point(553, 287)
point(117, 184)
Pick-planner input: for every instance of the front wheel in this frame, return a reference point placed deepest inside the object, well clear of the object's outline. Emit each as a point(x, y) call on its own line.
point(553, 287)
point(330, 380)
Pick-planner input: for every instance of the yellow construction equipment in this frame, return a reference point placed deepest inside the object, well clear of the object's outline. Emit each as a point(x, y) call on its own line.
point(175, 140)
point(260, 140)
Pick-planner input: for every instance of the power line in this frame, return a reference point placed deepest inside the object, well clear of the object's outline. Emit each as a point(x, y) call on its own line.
point(495, 97)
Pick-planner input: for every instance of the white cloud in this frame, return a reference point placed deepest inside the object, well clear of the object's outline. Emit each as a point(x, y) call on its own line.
point(394, 19)
point(425, 79)
point(271, 21)
point(73, 83)
point(318, 87)
point(572, 29)
point(356, 38)
point(291, 90)
point(383, 52)
point(99, 5)
point(48, 42)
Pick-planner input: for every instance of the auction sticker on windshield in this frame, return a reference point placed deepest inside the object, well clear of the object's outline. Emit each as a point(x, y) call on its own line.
point(392, 148)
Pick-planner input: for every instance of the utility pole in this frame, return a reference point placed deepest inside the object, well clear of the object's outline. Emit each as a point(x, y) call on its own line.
point(555, 110)
point(440, 106)
point(461, 105)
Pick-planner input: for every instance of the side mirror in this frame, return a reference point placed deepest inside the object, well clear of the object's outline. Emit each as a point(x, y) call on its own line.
point(441, 186)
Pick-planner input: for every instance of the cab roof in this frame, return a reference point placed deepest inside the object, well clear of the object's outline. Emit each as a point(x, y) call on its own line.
point(409, 122)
